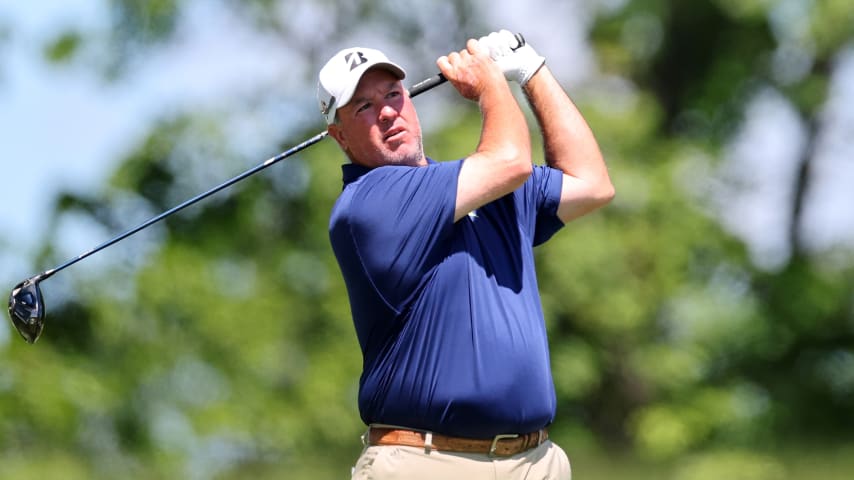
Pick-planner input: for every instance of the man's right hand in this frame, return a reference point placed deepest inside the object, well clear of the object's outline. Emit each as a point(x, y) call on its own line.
point(471, 71)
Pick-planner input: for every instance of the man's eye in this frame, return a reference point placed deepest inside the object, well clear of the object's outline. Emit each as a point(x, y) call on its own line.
point(363, 107)
point(394, 94)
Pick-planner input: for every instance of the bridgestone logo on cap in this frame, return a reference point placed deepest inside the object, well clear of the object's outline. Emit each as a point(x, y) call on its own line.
point(355, 59)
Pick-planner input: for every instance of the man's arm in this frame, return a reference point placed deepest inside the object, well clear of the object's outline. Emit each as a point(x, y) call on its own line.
point(569, 146)
point(502, 161)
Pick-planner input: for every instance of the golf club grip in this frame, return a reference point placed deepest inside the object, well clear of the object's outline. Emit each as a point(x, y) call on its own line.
point(427, 84)
point(439, 79)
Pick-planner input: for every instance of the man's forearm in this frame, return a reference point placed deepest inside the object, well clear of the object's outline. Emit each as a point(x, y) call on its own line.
point(569, 146)
point(568, 141)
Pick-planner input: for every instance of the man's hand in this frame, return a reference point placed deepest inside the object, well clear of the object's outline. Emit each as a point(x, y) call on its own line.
point(518, 62)
point(471, 71)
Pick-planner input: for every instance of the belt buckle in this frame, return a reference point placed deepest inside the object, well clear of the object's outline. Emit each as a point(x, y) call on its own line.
point(499, 437)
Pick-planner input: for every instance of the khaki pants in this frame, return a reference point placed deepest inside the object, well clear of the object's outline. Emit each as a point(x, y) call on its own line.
point(389, 462)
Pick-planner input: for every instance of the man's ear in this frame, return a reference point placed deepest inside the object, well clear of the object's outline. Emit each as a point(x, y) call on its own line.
point(336, 133)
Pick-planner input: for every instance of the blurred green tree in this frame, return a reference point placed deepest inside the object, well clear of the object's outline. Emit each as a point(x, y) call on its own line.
point(219, 343)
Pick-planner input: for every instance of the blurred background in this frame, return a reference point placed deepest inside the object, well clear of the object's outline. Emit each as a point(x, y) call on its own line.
point(701, 326)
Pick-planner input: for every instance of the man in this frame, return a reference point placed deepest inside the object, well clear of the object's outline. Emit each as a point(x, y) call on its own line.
point(438, 261)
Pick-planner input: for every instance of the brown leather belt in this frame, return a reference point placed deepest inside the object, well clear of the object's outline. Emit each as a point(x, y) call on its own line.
point(500, 445)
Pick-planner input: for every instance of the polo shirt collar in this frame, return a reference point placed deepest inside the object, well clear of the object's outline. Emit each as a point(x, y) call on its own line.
point(351, 172)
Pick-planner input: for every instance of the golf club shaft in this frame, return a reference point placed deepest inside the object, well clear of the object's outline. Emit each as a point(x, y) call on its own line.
point(416, 89)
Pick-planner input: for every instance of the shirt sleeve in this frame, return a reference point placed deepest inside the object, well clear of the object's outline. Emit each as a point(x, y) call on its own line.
point(542, 197)
point(402, 225)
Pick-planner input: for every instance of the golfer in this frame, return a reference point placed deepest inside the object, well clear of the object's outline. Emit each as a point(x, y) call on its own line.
point(438, 261)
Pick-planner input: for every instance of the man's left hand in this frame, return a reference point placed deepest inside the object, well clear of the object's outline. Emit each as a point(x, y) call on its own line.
point(518, 62)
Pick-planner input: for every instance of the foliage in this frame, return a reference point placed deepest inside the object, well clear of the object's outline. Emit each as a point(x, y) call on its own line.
point(224, 348)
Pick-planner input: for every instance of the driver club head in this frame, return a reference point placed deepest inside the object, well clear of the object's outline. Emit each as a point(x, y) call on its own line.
point(26, 309)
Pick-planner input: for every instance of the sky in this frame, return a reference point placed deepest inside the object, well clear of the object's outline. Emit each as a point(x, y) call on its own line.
point(62, 128)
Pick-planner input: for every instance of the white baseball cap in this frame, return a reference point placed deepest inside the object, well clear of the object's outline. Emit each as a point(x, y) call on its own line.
point(340, 76)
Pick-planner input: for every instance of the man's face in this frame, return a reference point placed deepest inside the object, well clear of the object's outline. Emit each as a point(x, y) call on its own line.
point(379, 126)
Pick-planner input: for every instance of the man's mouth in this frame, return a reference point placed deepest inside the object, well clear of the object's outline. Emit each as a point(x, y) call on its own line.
point(394, 134)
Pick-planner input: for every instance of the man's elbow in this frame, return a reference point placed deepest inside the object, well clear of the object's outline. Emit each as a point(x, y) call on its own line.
point(599, 193)
point(579, 201)
point(517, 165)
point(605, 193)
point(523, 168)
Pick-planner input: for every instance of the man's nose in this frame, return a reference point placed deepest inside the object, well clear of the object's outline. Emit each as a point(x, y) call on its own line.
point(387, 113)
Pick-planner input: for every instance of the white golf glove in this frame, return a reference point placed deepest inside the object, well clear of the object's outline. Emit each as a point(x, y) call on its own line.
point(518, 65)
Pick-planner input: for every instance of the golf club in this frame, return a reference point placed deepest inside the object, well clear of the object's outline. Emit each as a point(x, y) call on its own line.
point(26, 303)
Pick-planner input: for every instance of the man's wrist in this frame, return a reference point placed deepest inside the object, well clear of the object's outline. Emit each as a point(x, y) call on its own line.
point(526, 87)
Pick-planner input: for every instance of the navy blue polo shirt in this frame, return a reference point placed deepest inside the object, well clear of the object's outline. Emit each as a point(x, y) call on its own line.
point(448, 315)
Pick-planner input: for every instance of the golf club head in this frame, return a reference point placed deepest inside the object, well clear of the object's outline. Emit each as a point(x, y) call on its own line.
point(26, 309)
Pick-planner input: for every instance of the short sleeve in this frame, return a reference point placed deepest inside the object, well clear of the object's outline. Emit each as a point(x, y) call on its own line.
point(540, 201)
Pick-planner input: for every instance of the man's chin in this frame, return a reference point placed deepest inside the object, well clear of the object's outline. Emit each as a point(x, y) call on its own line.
point(405, 156)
